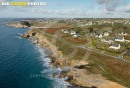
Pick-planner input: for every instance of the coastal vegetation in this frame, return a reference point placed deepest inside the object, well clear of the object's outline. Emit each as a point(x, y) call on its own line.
point(88, 48)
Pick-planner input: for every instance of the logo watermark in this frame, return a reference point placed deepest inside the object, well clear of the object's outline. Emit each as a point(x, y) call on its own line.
point(36, 75)
point(23, 3)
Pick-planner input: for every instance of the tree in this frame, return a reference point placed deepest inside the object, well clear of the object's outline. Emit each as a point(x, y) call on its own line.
point(25, 23)
point(90, 29)
point(125, 28)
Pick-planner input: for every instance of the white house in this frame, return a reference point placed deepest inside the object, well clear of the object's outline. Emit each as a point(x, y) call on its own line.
point(99, 35)
point(76, 35)
point(65, 31)
point(115, 46)
point(106, 34)
point(124, 34)
point(120, 39)
point(62, 30)
point(72, 32)
point(89, 23)
point(107, 41)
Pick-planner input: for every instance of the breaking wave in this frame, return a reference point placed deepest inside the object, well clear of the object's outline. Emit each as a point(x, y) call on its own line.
point(48, 71)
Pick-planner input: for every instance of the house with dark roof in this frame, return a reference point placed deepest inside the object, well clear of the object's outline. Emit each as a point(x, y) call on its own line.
point(72, 32)
point(105, 34)
point(107, 41)
point(98, 35)
point(123, 33)
point(77, 35)
point(65, 31)
point(120, 39)
point(115, 46)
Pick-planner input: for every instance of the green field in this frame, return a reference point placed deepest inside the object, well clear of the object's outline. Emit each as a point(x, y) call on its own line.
point(111, 68)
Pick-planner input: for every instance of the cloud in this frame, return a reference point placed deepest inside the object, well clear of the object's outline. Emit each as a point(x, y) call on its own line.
point(21, 9)
point(127, 9)
point(114, 8)
point(104, 1)
point(111, 5)
point(73, 11)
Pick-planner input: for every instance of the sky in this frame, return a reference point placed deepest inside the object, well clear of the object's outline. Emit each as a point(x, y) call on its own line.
point(69, 9)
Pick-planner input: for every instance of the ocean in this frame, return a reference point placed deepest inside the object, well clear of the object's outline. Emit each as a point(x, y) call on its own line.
point(23, 64)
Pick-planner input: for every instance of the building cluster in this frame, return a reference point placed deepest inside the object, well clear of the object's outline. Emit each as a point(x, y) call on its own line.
point(71, 32)
point(105, 21)
point(105, 38)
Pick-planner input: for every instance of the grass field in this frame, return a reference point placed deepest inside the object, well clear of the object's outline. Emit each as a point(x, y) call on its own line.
point(111, 68)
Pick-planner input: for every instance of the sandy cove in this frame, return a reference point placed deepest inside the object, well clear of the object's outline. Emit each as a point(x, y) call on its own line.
point(79, 77)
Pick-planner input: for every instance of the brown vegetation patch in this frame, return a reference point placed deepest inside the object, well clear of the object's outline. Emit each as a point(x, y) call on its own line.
point(77, 40)
point(53, 30)
point(114, 67)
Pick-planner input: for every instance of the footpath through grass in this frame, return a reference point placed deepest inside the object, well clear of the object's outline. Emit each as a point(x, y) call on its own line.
point(109, 67)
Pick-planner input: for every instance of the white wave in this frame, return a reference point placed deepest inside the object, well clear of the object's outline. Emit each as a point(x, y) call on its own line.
point(48, 73)
point(60, 83)
point(19, 34)
point(18, 37)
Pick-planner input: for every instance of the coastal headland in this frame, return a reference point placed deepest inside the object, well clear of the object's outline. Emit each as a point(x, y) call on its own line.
point(87, 62)
point(77, 72)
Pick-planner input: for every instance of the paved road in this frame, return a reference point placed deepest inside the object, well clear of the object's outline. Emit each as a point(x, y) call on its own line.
point(90, 49)
point(119, 57)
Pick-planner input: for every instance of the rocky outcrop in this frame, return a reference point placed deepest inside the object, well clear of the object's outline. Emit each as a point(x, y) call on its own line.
point(81, 77)
point(17, 25)
point(77, 72)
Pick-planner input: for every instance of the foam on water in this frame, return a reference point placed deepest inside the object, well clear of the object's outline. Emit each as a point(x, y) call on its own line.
point(18, 35)
point(58, 82)
point(19, 60)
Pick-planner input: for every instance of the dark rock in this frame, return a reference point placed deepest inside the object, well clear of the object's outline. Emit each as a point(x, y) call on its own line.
point(76, 86)
point(70, 78)
point(25, 35)
point(93, 87)
point(83, 66)
point(80, 67)
point(33, 34)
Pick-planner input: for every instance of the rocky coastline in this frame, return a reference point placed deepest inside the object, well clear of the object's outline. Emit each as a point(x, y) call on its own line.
point(73, 69)
point(16, 25)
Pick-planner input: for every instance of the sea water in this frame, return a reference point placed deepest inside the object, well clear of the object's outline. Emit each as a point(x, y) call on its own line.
point(23, 64)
